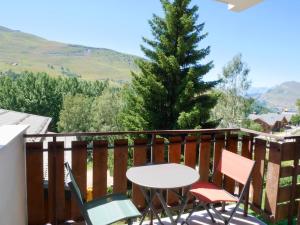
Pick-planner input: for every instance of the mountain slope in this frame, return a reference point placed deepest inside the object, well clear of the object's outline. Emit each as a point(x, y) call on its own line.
point(21, 51)
point(283, 96)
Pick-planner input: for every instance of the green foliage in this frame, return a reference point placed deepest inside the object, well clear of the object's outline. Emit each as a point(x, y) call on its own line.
point(105, 110)
point(75, 115)
point(298, 105)
point(170, 92)
point(295, 120)
point(88, 114)
point(249, 124)
point(233, 106)
point(83, 112)
point(257, 107)
point(41, 94)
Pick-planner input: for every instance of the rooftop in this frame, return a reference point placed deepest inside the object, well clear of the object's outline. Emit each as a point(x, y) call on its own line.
point(269, 118)
point(37, 124)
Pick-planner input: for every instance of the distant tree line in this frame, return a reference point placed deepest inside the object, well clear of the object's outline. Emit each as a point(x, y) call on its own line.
point(295, 120)
point(41, 94)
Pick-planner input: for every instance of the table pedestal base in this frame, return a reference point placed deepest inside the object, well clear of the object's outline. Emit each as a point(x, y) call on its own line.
point(150, 207)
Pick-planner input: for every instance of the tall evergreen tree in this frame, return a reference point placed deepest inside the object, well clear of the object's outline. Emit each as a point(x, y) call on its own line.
point(169, 92)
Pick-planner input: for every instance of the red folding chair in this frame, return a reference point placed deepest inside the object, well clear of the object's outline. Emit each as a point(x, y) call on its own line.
point(207, 194)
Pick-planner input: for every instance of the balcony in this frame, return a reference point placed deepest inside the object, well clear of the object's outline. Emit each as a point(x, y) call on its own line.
point(274, 191)
point(240, 5)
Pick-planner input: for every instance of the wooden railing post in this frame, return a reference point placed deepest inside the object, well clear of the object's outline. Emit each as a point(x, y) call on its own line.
point(297, 168)
point(120, 166)
point(190, 151)
point(52, 181)
point(204, 157)
point(139, 159)
point(100, 156)
point(247, 143)
point(56, 184)
point(273, 177)
point(174, 154)
point(35, 185)
point(292, 205)
point(219, 145)
point(258, 172)
point(298, 217)
point(79, 168)
point(232, 145)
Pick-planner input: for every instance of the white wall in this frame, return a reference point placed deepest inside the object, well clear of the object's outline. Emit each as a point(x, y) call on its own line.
point(13, 206)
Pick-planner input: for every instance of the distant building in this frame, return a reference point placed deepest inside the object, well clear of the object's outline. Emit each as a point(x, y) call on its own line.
point(288, 115)
point(270, 122)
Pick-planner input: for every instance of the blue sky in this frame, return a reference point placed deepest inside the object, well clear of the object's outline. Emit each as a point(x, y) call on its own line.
point(268, 35)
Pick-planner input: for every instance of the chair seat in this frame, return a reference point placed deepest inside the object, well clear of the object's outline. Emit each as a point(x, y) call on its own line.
point(110, 209)
point(210, 193)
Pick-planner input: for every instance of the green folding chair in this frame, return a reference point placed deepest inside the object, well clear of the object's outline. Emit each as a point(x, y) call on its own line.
point(105, 210)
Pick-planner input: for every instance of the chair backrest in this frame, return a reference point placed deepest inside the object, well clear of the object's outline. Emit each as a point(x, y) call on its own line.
point(235, 166)
point(73, 185)
point(76, 191)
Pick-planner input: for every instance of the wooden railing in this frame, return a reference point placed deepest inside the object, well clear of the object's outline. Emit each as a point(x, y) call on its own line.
point(49, 200)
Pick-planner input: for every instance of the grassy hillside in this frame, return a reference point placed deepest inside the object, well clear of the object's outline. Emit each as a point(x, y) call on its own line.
point(20, 51)
point(283, 96)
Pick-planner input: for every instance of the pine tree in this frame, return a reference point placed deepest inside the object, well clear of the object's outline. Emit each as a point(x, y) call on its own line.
point(169, 92)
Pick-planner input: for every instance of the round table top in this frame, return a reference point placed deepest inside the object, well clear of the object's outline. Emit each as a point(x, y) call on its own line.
point(163, 176)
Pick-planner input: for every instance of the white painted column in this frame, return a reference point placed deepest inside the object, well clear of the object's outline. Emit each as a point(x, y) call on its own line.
point(13, 204)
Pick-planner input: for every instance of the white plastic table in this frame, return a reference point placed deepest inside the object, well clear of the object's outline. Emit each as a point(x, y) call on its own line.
point(159, 177)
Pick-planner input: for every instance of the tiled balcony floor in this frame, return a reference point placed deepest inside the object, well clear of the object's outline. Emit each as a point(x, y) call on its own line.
point(202, 218)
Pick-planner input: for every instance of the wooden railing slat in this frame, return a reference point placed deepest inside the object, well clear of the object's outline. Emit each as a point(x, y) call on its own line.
point(79, 168)
point(288, 151)
point(296, 156)
point(190, 151)
point(298, 216)
point(286, 171)
point(35, 188)
point(190, 154)
point(120, 166)
point(258, 172)
point(219, 145)
point(284, 194)
point(139, 159)
point(174, 155)
point(158, 157)
point(283, 211)
point(273, 175)
point(159, 150)
point(56, 184)
point(204, 157)
point(247, 144)
point(232, 144)
point(100, 156)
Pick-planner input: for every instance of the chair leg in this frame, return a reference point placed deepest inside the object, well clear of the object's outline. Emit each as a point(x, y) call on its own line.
point(223, 207)
point(233, 211)
point(130, 221)
point(193, 210)
point(218, 214)
point(209, 213)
